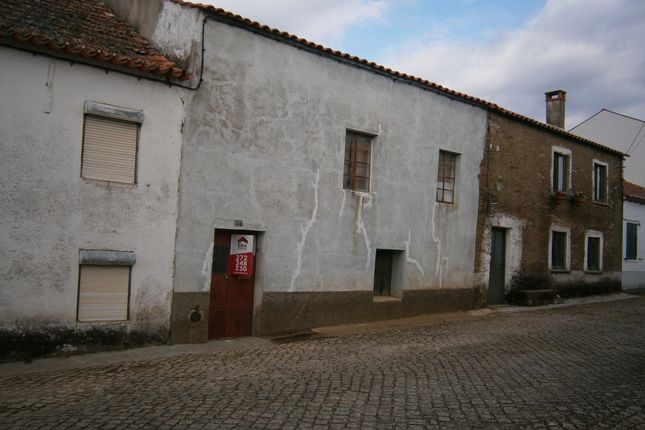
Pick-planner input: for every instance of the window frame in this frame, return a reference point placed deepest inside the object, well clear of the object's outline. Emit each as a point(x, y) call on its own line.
point(350, 166)
point(107, 112)
point(80, 293)
point(567, 249)
point(592, 234)
point(556, 177)
point(442, 178)
point(636, 225)
point(389, 267)
point(604, 188)
point(106, 259)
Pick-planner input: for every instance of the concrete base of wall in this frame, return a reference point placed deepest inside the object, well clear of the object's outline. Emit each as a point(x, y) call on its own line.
point(292, 312)
point(282, 313)
point(189, 318)
point(28, 343)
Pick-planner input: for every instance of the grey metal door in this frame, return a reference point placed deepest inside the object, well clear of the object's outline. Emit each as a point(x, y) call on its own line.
point(497, 266)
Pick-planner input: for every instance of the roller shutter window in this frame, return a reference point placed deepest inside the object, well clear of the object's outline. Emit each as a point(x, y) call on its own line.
point(103, 293)
point(109, 149)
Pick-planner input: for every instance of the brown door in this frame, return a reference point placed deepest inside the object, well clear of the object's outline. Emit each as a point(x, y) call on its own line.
point(231, 299)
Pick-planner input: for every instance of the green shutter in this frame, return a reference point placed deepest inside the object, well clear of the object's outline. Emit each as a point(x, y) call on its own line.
point(631, 237)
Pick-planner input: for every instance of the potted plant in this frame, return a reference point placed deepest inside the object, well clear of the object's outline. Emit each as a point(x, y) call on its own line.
point(558, 197)
point(579, 198)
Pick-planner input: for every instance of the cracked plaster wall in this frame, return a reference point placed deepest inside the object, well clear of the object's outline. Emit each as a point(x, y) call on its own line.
point(264, 143)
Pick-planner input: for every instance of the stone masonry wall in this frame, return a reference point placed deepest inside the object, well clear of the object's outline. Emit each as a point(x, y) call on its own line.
point(515, 183)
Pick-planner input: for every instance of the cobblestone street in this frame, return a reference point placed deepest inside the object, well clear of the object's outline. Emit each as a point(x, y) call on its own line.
point(571, 368)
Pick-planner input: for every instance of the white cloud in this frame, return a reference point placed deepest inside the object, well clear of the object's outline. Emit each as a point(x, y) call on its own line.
point(593, 49)
point(321, 21)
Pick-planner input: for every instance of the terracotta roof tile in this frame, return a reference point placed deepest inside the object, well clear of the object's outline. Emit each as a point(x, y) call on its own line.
point(238, 20)
point(634, 193)
point(82, 28)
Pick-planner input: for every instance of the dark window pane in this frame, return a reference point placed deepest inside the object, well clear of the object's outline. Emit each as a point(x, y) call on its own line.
point(593, 253)
point(383, 273)
point(560, 172)
point(361, 184)
point(559, 250)
point(631, 241)
point(220, 259)
point(600, 183)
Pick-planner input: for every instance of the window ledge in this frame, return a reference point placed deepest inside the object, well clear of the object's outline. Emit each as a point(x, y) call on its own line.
point(108, 184)
point(386, 299)
point(360, 193)
point(593, 272)
point(595, 202)
point(560, 271)
point(103, 323)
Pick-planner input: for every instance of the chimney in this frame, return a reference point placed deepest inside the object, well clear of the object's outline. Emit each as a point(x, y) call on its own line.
point(555, 101)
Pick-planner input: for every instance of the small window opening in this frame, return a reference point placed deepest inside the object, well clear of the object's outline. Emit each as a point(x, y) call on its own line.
point(593, 254)
point(446, 177)
point(600, 183)
point(388, 273)
point(356, 173)
point(559, 250)
point(631, 241)
point(560, 172)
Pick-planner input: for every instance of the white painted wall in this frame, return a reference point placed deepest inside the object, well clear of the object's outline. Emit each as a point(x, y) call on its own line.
point(48, 212)
point(634, 271)
point(265, 142)
point(619, 132)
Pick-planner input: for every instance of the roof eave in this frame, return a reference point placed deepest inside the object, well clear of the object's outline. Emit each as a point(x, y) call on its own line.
point(317, 49)
point(106, 62)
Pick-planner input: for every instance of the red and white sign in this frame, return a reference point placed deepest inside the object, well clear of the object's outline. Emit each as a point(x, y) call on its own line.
point(241, 259)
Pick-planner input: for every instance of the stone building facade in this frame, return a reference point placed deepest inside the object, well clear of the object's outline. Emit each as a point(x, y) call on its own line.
point(550, 203)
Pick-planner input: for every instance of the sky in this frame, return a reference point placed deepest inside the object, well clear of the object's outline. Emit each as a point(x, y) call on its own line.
point(508, 52)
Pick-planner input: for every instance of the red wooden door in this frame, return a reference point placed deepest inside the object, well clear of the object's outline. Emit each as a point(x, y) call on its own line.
point(231, 298)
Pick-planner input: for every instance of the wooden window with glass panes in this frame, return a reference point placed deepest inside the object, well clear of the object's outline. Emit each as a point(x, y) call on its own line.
point(446, 176)
point(356, 173)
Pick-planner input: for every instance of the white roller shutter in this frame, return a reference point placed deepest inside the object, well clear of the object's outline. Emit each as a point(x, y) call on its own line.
point(109, 149)
point(103, 293)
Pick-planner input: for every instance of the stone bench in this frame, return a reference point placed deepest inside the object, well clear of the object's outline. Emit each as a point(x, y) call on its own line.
point(535, 297)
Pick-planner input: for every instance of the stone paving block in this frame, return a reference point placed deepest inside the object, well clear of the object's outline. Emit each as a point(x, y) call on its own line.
point(569, 368)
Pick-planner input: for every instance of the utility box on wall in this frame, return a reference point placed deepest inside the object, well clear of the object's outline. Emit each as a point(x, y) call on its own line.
point(241, 259)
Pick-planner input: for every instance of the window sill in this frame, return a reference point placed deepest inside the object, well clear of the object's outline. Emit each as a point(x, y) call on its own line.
point(560, 271)
point(360, 193)
point(597, 203)
point(593, 272)
point(386, 299)
point(104, 322)
point(109, 184)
